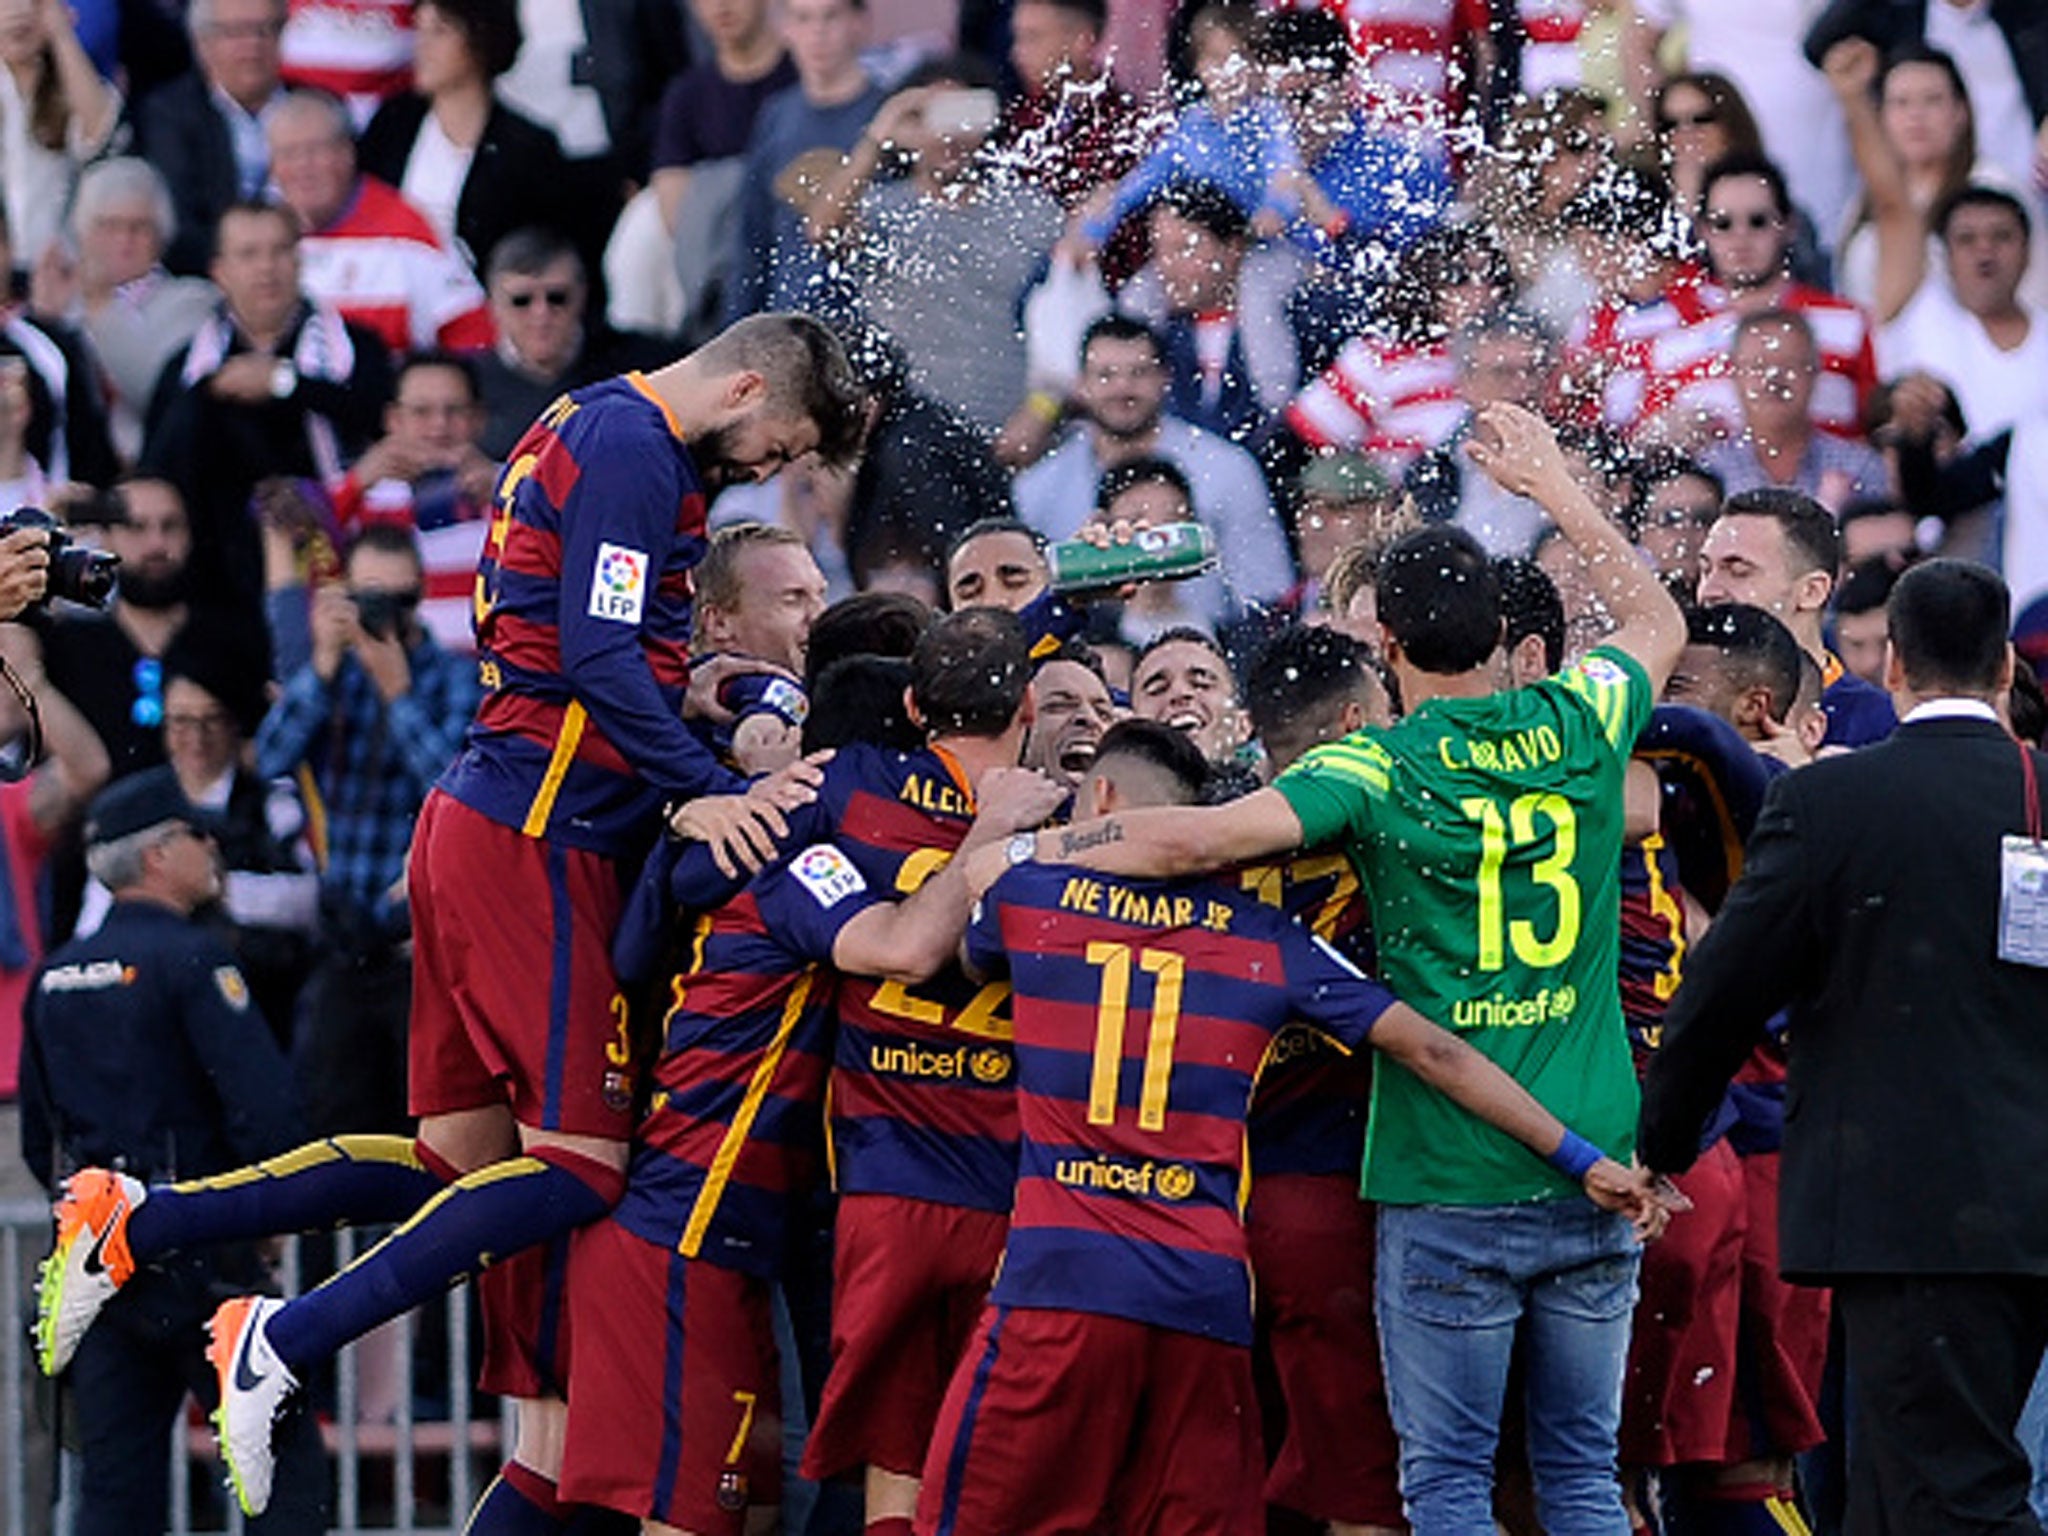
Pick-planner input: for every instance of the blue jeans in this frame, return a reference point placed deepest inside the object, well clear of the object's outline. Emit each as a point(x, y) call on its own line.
point(1454, 1284)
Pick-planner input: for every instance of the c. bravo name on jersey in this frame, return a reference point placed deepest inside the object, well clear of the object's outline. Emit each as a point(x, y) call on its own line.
point(1532, 747)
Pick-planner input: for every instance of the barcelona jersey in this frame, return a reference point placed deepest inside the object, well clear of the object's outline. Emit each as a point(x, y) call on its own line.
point(1308, 1116)
point(583, 611)
point(735, 1124)
point(1143, 1012)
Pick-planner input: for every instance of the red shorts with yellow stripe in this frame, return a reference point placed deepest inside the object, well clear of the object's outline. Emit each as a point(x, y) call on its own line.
point(514, 1000)
point(675, 1413)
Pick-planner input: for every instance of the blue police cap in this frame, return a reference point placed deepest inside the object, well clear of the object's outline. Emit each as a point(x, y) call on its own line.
point(135, 804)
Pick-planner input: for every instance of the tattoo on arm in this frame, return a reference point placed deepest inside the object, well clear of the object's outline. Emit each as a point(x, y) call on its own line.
point(1110, 831)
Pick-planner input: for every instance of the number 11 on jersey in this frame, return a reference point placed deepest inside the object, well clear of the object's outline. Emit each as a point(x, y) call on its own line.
point(1112, 1013)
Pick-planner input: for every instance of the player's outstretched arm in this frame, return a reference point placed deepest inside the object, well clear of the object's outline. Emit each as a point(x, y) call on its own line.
point(1518, 450)
point(910, 941)
point(1465, 1076)
point(1162, 842)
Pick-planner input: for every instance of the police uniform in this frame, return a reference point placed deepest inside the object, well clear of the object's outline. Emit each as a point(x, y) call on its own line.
point(143, 1052)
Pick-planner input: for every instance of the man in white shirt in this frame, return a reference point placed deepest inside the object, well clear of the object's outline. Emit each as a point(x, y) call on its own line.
point(1976, 335)
point(1121, 393)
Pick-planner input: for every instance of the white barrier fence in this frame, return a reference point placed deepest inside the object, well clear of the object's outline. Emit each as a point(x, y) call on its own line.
point(413, 1473)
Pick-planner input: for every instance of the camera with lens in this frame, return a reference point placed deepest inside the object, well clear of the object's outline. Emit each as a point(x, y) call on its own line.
point(81, 575)
point(383, 614)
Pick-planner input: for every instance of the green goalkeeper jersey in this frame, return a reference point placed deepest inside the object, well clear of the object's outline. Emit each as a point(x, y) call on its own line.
point(1487, 832)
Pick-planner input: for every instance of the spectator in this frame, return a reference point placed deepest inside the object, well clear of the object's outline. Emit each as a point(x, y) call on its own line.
point(913, 238)
point(67, 425)
point(427, 476)
point(827, 110)
point(1070, 126)
point(1679, 501)
point(1910, 125)
point(1229, 366)
point(143, 1053)
point(1860, 616)
point(1342, 499)
point(132, 312)
point(373, 717)
point(2003, 60)
point(111, 664)
point(548, 341)
point(477, 169)
point(1233, 134)
point(926, 474)
point(1775, 369)
point(204, 130)
point(1973, 332)
point(1878, 527)
point(1505, 357)
point(1633, 245)
point(700, 139)
point(1392, 392)
point(37, 812)
point(269, 904)
point(1780, 551)
point(1122, 393)
point(273, 384)
point(357, 51)
point(1552, 148)
point(56, 113)
point(592, 72)
point(1139, 492)
point(1745, 219)
point(366, 250)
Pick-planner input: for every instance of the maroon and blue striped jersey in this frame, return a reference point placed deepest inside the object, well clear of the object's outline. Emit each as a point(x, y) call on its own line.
point(923, 1082)
point(1143, 1012)
point(583, 608)
point(1308, 1116)
point(735, 1126)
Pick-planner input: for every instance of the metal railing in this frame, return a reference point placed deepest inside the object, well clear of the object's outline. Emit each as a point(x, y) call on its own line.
point(417, 1474)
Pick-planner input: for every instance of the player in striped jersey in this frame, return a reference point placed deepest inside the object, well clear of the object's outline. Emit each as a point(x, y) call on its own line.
point(1144, 1012)
point(522, 1072)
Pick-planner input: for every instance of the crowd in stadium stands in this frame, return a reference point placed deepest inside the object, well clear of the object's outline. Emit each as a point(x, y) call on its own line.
point(289, 280)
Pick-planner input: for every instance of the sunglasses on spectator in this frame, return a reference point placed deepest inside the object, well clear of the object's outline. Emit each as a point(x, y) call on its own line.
point(554, 298)
point(1721, 223)
point(1706, 117)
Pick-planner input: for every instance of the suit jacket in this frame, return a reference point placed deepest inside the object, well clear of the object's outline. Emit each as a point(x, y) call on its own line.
point(517, 178)
point(179, 130)
point(1915, 1140)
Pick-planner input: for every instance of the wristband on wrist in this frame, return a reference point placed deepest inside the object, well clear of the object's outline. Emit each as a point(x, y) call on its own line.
point(1045, 406)
point(1574, 1155)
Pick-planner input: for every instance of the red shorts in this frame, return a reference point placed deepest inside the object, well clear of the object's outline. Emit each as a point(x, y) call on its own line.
point(513, 994)
point(1784, 1336)
point(524, 1302)
point(675, 1413)
point(908, 1281)
point(1682, 1350)
point(1311, 1241)
point(1070, 1421)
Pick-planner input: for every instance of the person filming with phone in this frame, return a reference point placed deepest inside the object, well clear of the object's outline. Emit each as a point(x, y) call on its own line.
point(374, 714)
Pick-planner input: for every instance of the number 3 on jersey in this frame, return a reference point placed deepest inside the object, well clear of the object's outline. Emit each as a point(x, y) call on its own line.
point(1112, 1013)
point(1528, 817)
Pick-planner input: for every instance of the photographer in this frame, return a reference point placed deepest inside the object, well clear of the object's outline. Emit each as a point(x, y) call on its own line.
point(24, 569)
point(373, 715)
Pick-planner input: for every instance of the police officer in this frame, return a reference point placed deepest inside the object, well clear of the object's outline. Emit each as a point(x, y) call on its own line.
point(143, 1052)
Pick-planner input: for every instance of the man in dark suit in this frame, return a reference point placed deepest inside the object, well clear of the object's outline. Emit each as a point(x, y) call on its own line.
point(1916, 1154)
point(204, 132)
